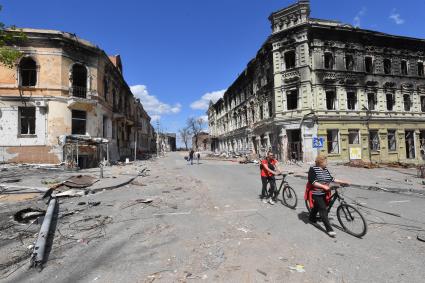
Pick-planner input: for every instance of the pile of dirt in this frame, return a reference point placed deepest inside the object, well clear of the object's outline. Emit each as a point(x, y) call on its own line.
point(362, 164)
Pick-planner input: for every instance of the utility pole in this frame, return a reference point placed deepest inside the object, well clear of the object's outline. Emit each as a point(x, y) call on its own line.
point(157, 138)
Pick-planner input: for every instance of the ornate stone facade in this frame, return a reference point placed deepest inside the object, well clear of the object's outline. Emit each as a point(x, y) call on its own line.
point(360, 92)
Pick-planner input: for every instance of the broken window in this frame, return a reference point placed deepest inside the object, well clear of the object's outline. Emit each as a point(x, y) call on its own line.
point(261, 112)
point(27, 72)
point(368, 62)
point(422, 103)
point(422, 143)
point(374, 141)
point(79, 122)
point(387, 66)
point(290, 59)
point(105, 89)
point(105, 126)
point(292, 100)
point(351, 100)
point(114, 98)
point(403, 67)
point(333, 141)
point(390, 101)
point(407, 102)
point(410, 144)
point(253, 115)
point(270, 106)
point(420, 69)
point(27, 120)
point(371, 101)
point(329, 61)
point(330, 100)
point(349, 62)
point(392, 140)
point(79, 80)
point(353, 137)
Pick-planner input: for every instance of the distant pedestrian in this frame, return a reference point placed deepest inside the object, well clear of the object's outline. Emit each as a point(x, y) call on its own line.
point(198, 157)
point(191, 153)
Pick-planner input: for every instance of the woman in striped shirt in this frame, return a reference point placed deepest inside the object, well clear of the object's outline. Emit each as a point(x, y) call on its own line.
point(319, 179)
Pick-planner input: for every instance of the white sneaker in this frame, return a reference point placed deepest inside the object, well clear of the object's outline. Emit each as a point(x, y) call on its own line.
point(272, 202)
point(264, 200)
point(331, 234)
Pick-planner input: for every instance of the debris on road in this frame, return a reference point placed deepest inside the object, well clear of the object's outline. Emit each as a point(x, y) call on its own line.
point(261, 272)
point(28, 214)
point(297, 268)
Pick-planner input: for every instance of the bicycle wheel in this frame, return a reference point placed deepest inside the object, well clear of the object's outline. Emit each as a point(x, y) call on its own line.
point(307, 204)
point(351, 220)
point(289, 197)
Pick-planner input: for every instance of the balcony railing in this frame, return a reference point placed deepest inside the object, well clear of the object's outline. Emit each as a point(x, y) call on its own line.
point(78, 91)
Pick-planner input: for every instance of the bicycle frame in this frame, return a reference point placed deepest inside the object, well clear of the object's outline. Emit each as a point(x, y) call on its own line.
point(334, 197)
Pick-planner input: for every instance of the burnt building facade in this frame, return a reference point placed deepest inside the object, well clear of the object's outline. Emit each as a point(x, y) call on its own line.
point(320, 86)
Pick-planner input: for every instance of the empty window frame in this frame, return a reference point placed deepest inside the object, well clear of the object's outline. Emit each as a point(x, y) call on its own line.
point(270, 108)
point(105, 126)
point(289, 59)
point(374, 144)
point(329, 61)
point(410, 144)
point(349, 62)
point(79, 80)
point(371, 101)
point(368, 62)
point(392, 140)
point(407, 102)
point(79, 119)
point(353, 137)
point(404, 67)
point(292, 100)
point(261, 112)
point(422, 103)
point(351, 100)
point(253, 115)
point(420, 69)
point(27, 72)
point(333, 141)
point(105, 89)
point(27, 120)
point(390, 101)
point(387, 66)
point(330, 100)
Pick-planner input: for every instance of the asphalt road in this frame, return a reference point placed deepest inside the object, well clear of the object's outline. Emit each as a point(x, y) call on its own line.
point(206, 224)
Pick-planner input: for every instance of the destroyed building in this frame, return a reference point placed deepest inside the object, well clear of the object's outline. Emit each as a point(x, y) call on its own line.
point(67, 101)
point(167, 142)
point(201, 141)
point(324, 87)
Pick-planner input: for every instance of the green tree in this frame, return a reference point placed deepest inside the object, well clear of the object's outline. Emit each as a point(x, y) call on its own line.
point(9, 35)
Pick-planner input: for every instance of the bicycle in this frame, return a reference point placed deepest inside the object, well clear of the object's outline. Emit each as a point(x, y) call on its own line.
point(347, 215)
point(289, 197)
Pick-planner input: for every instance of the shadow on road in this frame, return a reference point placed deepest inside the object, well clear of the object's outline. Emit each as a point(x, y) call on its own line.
point(303, 216)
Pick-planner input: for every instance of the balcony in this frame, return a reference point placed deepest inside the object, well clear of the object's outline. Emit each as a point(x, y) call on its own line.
point(291, 76)
point(78, 91)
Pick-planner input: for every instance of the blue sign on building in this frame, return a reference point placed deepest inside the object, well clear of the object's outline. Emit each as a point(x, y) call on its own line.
point(318, 142)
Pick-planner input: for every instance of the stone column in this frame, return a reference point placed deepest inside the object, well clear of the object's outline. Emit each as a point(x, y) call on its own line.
point(283, 145)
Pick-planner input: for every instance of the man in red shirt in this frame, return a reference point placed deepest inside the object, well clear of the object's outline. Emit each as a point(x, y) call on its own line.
point(269, 168)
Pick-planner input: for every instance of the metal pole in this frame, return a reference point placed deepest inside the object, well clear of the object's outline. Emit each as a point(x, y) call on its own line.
point(78, 165)
point(40, 245)
point(107, 152)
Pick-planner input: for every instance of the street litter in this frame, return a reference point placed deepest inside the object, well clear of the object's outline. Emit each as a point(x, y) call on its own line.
point(245, 230)
point(28, 214)
point(72, 193)
point(297, 268)
point(261, 272)
point(137, 201)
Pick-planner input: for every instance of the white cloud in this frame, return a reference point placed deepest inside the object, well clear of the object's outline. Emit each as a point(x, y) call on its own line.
point(153, 105)
point(204, 102)
point(204, 118)
point(396, 17)
point(358, 17)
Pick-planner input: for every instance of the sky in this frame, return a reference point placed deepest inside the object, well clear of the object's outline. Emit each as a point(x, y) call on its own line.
point(178, 55)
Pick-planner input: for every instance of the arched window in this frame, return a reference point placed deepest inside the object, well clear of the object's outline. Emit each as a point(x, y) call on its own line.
point(79, 80)
point(27, 72)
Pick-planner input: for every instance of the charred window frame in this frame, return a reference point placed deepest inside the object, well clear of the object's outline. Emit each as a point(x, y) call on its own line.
point(290, 59)
point(349, 62)
point(404, 67)
point(387, 66)
point(270, 108)
point(292, 99)
point(105, 89)
point(407, 101)
point(351, 100)
point(79, 80)
point(328, 60)
point(105, 127)
point(374, 143)
point(253, 115)
point(353, 136)
point(79, 119)
point(333, 141)
point(114, 100)
point(331, 100)
point(420, 69)
point(422, 103)
point(261, 112)
point(27, 72)
point(371, 101)
point(27, 120)
point(390, 101)
point(368, 61)
point(392, 140)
